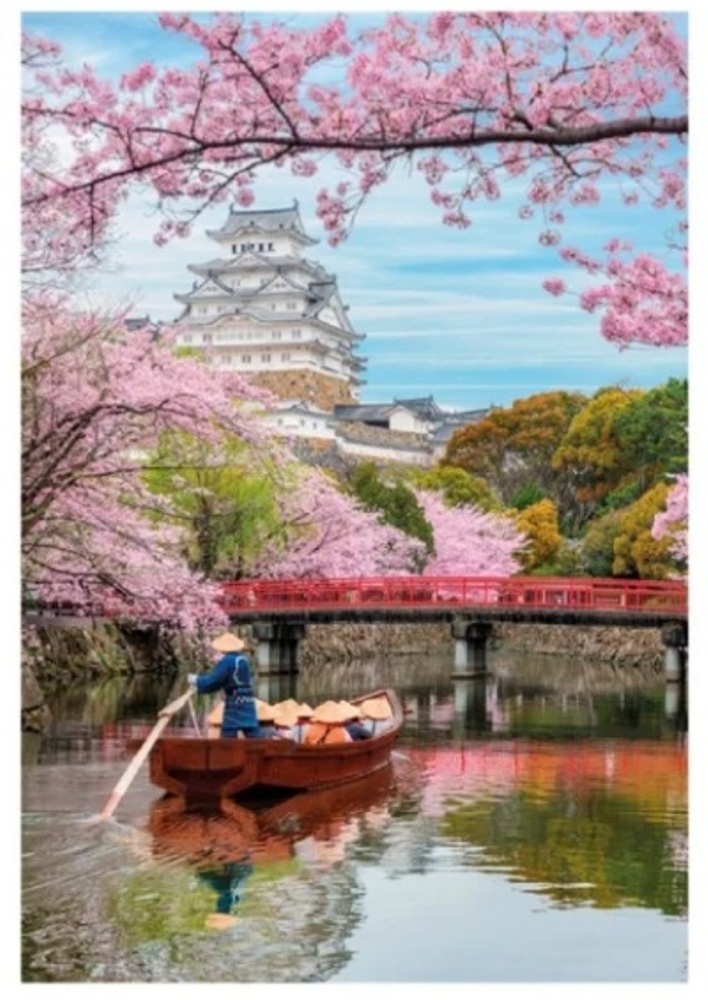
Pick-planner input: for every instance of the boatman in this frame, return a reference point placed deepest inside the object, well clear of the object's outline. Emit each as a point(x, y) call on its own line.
point(232, 673)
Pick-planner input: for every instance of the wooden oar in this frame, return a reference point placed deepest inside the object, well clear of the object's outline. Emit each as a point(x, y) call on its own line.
point(122, 787)
point(195, 721)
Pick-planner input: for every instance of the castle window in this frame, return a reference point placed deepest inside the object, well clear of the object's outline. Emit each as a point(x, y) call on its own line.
point(297, 334)
point(292, 305)
point(206, 339)
point(285, 356)
point(265, 357)
point(246, 359)
point(271, 246)
point(276, 334)
point(187, 338)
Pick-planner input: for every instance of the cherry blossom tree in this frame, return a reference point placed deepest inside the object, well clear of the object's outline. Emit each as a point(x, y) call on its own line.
point(469, 541)
point(327, 533)
point(95, 398)
point(672, 522)
point(568, 104)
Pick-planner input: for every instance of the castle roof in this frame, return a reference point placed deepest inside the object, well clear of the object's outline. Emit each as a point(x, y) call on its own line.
point(270, 220)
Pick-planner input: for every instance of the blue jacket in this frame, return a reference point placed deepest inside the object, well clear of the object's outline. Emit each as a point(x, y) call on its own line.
point(233, 674)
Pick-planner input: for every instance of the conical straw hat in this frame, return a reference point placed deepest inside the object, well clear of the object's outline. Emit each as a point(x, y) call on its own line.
point(289, 705)
point(377, 708)
point(265, 712)
point(350, 711)
point(329, 712)
point(286, 717)
point(227, 642)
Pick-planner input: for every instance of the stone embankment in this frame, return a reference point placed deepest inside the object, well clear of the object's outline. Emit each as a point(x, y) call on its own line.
point(622, 647)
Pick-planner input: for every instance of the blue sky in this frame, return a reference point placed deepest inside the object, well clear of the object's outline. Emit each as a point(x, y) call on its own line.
point(459, 314)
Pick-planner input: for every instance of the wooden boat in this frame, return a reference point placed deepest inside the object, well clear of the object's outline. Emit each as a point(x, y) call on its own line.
point(198, 768)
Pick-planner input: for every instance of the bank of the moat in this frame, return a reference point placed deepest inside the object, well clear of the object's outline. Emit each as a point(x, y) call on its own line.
point(54, 656)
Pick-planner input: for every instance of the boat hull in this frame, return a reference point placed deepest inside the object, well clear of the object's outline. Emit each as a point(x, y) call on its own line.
point(206, 769)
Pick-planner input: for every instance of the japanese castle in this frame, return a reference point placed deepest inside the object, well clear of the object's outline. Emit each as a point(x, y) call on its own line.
point(261, 308)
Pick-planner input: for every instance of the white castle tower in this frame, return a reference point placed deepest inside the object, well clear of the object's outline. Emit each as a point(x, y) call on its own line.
point(263, 309)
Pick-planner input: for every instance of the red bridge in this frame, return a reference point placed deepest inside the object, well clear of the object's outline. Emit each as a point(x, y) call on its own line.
point(280, 610)
point(567, 597)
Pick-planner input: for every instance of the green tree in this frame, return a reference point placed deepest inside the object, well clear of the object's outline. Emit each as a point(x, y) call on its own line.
point(457, 486)
point(223, 497)
point(652, 432)
point(527, 495)
point(636, 552)
point(395, 504)
point(591, 450)
point(597, 547)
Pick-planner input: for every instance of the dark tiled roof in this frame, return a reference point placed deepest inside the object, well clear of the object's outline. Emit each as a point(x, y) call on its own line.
point(270, 220)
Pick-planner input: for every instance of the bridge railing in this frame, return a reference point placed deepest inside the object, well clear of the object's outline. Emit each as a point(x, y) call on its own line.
point(416, 591)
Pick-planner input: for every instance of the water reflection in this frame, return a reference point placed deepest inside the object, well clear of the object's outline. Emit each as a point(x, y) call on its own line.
point(566, 785)
point(604, 824)
point(273, 871)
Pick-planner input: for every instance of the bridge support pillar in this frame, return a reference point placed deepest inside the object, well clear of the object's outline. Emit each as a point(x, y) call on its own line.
point(471, 643)
point(675, 638)
point(277, 646)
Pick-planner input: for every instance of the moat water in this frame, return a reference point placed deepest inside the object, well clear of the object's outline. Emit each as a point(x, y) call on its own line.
point(532, 828)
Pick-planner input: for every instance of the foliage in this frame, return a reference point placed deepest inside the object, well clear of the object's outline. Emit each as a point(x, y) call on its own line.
point(395, 504)
point(527, 495)
point(539, 522)
point(652, 432)
point(566, 561)
point(637, 552)
point(572, 102)
point(618, 498)
point(224, 498)
point(597, 547)
point(512, 447)
point(591, 448)
point(457, 486)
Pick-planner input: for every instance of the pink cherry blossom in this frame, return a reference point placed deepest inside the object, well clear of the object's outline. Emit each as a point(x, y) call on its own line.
point(578, 103)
